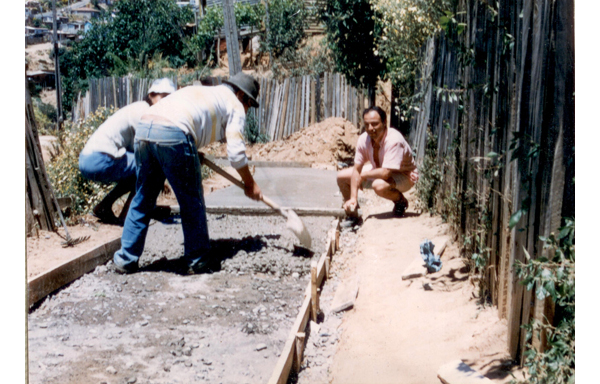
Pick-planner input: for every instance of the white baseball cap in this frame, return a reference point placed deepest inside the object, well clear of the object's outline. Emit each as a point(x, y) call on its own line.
point(164, 85)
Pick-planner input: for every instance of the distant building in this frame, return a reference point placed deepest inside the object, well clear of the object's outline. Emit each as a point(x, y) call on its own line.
point(86, 13)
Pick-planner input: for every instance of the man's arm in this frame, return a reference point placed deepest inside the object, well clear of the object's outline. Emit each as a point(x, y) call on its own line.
point(355, 182)
point(251, 189)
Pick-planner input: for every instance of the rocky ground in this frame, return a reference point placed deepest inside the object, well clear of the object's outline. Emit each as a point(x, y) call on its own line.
point(156, 326)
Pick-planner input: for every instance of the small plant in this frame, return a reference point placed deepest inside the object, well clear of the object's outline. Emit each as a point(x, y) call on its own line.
point(63, 169)
point(430, 176)
point(251, 129)
point(552, 276)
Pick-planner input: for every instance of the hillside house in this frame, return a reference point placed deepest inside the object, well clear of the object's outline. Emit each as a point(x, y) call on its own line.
point(85, 13)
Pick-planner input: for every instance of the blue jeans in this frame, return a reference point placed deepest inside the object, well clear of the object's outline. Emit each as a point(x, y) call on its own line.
point(163, 151)
point(104, 168)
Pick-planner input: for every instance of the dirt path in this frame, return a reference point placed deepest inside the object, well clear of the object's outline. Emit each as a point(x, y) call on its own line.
point(403, 331)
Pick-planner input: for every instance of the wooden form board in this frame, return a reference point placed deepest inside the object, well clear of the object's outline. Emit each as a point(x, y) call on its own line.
point(267, 211)
point(457, 372)
point(46, 283)
point(292, 348)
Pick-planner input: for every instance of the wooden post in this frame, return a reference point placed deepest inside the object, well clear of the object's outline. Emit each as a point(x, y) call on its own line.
point(231, 36)
point(313, 119)
point(300, 338)
point(314, 293)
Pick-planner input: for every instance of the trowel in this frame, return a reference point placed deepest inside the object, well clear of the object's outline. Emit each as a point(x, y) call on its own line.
point(294, 223)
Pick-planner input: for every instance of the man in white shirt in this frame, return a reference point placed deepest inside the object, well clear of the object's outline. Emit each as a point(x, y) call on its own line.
point(108, 155)
point(166, 146)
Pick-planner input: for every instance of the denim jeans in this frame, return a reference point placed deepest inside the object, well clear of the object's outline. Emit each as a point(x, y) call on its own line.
point(163, 151)
point(104, 168)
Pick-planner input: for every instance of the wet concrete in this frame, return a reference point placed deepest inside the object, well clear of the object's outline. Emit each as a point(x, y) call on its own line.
point(288, 187)
point(156, 326)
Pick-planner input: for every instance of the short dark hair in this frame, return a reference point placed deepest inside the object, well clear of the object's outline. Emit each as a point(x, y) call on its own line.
point(382, 114)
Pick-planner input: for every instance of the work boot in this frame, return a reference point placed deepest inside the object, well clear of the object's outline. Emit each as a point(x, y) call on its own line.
point(400, 207)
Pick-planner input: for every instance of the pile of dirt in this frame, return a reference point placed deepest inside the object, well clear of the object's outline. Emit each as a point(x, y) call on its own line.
point(324, 145)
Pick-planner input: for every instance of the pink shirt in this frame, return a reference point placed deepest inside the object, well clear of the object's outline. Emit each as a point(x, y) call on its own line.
point(394, 153)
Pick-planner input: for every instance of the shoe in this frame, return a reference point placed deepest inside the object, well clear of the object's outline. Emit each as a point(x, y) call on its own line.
point(351, 221)
point(400, 207)
point(106, 216)
point(182, 267)
point(124, 270)
point(161, 213)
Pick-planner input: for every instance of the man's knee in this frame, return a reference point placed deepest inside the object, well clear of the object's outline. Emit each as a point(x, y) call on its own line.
point(381, 187)
point(344, 176)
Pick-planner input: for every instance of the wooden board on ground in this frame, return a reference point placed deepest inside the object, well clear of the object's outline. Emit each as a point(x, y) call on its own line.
point(345, 296)
point(46, 283)
point(415, 270)
point(457, 372)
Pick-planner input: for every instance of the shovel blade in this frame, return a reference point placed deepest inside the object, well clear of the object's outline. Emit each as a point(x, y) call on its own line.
point(298, 228)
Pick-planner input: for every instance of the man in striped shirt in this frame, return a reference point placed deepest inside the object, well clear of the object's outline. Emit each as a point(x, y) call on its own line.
point(166, 146)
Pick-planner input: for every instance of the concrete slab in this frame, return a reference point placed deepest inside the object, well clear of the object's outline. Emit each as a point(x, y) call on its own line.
point(297, 188)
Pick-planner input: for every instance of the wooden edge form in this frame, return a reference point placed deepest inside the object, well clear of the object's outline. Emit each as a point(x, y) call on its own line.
point(46, 283)
point(284, 364)
point(286, 358)
point(261, 211)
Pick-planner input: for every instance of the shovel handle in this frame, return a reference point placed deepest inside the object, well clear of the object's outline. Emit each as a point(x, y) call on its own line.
point(235, 181)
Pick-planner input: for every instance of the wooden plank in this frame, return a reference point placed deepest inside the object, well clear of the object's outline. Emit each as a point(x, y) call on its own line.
point(345, 295)
point(42, 285)
point(313, 100)
point(286, 91)
point(284, 364)
point(297, 123)
point(267, 211)
point(457, 372)
point(415, 270)
point(314, 294)
point(302, 101)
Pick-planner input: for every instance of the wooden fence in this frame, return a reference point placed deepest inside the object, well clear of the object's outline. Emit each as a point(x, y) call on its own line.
point(285, 106)
point(515, 87)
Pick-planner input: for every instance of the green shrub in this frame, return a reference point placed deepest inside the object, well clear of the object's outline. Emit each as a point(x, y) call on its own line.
point(430, 176)
point(63, 169)
point(251, 129)
point(552, 275)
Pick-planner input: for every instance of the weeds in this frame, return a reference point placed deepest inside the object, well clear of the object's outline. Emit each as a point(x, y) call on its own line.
point(430, 176)
point(63, 169)
point(552, 276)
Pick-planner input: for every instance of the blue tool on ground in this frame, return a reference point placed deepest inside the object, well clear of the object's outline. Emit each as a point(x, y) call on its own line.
point(434, 264)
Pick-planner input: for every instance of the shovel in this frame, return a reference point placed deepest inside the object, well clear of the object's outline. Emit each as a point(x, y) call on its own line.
point(294, 223)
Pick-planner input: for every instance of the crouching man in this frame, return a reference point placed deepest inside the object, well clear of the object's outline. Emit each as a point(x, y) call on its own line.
point(392, 169)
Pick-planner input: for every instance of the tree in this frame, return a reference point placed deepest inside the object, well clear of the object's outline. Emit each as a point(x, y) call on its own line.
point(122, 44)
point(352, 31)
point(287, 22)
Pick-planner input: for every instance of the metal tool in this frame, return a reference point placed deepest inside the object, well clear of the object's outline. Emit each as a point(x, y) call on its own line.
point(294, 223)
point(69, 241)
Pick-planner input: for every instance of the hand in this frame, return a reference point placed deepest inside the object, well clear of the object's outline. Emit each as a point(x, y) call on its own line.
point(252, 190)
point(350, 206)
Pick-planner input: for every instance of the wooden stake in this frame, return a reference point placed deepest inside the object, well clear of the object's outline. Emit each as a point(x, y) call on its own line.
point(314, 293)
point(300, 337)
